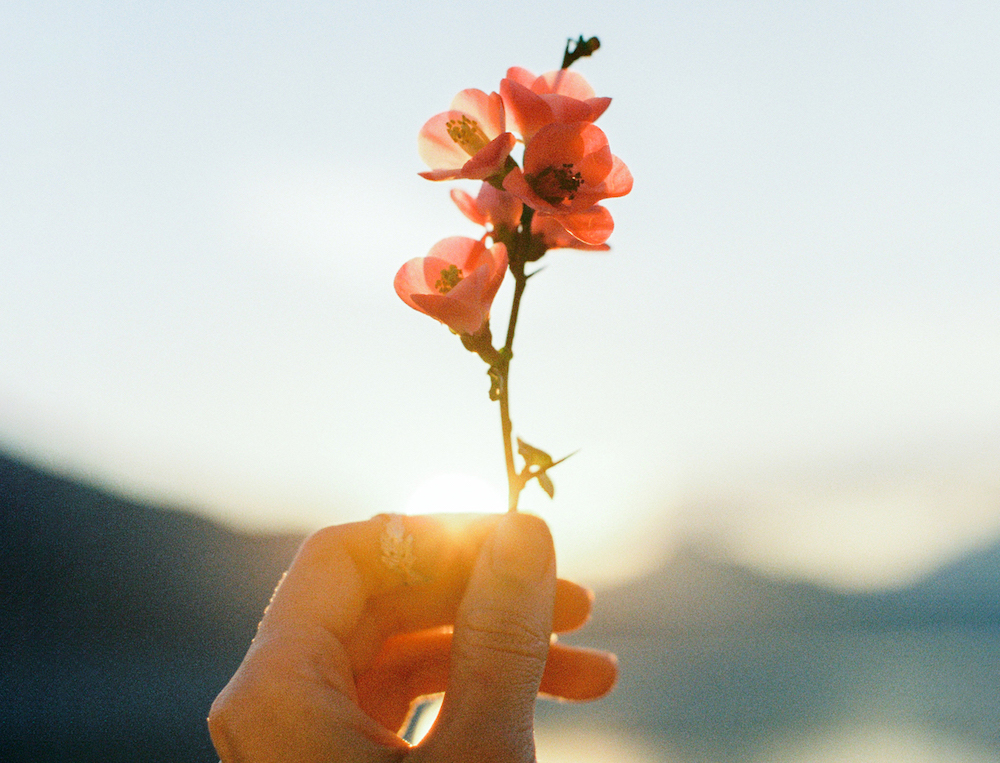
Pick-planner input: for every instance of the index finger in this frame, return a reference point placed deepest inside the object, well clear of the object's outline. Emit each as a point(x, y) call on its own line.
point(357, 576)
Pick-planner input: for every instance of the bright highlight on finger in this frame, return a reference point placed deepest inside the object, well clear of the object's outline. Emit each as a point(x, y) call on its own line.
point(455, 494)
point(423, 718)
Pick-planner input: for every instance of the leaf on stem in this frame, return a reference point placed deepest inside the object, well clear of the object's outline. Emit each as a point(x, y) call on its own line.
point(533, 456)
point(537, 464)
point(546, 482)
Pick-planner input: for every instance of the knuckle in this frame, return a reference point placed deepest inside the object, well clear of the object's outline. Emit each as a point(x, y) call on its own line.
point(506, 633)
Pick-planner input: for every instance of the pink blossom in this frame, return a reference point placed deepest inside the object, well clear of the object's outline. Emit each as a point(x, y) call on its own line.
point(568, 168)
point(491, 207)
point(469, 140)
point(455, 283)
point(560, 96)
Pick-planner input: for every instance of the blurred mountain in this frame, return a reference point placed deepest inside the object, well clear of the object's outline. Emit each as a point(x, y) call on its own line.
point(965, 590)
point(699, 589)
point(721, 662)
point(123, 621)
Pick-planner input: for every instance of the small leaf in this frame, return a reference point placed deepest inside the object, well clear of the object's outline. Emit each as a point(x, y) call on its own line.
point(533, 456)
point(546, 483)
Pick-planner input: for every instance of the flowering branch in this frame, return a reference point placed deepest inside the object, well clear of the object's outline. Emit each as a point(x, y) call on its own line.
point(548, 201)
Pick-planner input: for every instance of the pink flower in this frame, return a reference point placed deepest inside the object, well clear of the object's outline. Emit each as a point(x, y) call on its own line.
point(455, 283)
point(559, 96)
point(468, 141)
point(568, 168)
point(492, 207)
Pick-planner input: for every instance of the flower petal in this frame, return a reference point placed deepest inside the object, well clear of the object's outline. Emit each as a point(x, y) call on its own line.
point(560, 143)
point(468, 206)
point(490, 160)
point(515, 183)
point(591, 226)
point(563, 82)
point(521, 76)
point(528, 111)
point(487, 110)
point(455, 250)
point(566, 109)
point(555, 236)
point(435, 145)
point(598, 106)
point(461, 317)
point(410, 280)
point(618, 181)
point(490, 207)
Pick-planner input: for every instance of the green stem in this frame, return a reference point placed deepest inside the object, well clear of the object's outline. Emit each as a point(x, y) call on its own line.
point(513, 489)
point(517, 256)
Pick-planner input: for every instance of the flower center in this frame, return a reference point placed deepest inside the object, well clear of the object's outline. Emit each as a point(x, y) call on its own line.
point(467, 133)
point(449, 279)
point(556, 185)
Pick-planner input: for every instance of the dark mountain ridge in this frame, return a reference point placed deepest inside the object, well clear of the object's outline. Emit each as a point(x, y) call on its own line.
point(698, 590)
point(121, 621)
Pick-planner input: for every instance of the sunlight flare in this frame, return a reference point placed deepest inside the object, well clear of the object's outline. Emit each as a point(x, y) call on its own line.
point(455, 494)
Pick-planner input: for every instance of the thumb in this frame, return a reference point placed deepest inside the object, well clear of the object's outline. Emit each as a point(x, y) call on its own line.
point(502, 631)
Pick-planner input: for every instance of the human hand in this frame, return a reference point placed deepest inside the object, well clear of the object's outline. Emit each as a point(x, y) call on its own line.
point(348, 642)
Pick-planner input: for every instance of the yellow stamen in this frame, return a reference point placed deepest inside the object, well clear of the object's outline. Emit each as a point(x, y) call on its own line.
point(450, 278)
point(467, 133)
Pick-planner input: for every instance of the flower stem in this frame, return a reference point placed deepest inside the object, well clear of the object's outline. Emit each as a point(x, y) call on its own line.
point(514, 482)
point(517, 256)
point(513, 489)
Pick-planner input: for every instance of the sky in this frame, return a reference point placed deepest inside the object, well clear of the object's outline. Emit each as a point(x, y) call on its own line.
point(792, 351)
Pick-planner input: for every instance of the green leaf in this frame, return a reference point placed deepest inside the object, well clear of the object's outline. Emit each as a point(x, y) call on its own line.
point(546, 483)
point(533, 456)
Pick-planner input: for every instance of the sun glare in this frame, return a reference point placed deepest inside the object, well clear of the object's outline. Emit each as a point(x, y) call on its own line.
point(454, 494)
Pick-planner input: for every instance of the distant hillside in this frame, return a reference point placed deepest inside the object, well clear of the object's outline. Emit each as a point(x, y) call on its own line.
point(718, 661)
point(120, 622)
point(698, 590)
point(965, 590)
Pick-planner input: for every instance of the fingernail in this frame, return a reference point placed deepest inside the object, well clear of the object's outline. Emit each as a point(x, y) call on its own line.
point(522, 547)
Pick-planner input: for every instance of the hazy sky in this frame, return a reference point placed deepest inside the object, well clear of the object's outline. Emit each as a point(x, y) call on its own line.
point(793, 349)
